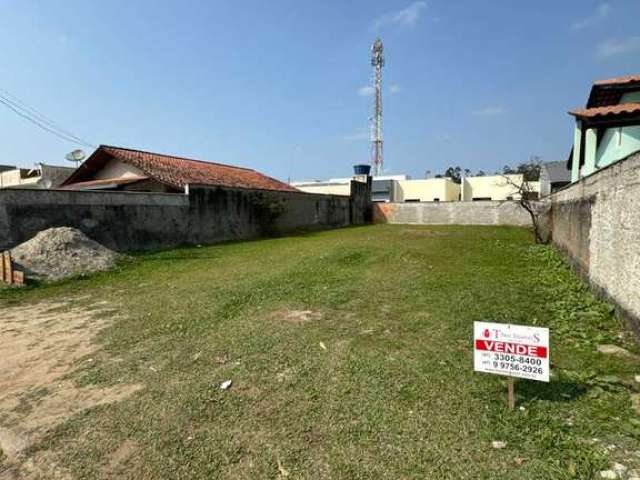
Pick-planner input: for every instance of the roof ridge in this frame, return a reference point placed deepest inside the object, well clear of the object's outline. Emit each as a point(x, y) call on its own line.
point(176, 157)
point(617, 80)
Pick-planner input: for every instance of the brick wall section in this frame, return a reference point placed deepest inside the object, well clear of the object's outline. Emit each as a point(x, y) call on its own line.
point(596, 222)
point(129, 221)
point(452, 213)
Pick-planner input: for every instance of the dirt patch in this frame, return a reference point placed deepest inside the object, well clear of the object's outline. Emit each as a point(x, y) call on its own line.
point(39, 346)
point(295, 317)
point(421, 233)
point(59, 253)
point(118, 458)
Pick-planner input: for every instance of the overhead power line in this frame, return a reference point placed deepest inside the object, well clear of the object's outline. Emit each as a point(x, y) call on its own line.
point(39, 119)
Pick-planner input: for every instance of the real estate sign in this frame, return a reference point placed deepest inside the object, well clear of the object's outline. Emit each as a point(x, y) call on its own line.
point(511, 350)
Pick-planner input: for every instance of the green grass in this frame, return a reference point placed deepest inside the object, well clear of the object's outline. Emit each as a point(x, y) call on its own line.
point(393, 395)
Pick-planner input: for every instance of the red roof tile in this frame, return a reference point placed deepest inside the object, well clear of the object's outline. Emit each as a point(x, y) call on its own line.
point(618, 80)
point(178, 172)
point(610, 91)
point(609, 110)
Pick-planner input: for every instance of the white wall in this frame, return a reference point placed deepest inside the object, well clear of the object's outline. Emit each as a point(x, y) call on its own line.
point(114, 168)
point(427, 190)
point(325, 188)
point(495, 187)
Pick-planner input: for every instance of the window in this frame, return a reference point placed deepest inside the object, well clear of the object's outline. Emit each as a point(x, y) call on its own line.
point(481, 199)
point(509, 198)
point(436, 199)
point(412, 200)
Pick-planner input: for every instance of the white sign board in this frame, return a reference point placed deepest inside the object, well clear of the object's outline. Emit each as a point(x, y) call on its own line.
point(511, 350)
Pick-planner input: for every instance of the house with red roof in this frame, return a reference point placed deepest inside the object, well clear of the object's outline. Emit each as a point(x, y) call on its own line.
point(608, 129)
point(116, 168)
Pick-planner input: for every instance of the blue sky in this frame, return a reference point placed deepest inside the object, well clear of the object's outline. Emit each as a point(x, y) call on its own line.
point(278, 85)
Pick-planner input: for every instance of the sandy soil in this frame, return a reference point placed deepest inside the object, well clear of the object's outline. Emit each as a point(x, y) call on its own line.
point(39, 345)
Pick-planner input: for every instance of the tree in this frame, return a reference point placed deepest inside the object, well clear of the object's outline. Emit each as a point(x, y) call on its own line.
point(455, 173)
point(530, 169)
point(528, 199)
point(481, 173)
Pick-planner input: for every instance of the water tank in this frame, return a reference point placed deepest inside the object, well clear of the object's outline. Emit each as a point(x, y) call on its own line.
point(362, 169)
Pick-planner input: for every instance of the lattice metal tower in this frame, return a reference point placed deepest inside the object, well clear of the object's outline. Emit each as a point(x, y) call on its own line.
point(377, 62)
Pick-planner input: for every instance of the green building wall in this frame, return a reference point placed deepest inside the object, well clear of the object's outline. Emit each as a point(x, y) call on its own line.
point(618, 143)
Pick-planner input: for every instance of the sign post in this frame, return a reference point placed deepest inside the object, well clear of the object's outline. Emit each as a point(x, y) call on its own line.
point(511, 396)
point(515, 351)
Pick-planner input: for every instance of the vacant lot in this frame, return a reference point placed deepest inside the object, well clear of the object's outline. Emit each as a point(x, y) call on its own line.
point(350, 357)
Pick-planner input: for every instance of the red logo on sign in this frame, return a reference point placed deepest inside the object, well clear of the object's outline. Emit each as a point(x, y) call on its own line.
point(486, 333)
point(515, 348)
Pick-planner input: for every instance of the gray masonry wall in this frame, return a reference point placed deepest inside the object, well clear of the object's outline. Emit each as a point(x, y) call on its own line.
point(128, 221)
point(596, 222)
point(452, 213)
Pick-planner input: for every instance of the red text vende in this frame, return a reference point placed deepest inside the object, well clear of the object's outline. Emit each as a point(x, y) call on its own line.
point(515, 348)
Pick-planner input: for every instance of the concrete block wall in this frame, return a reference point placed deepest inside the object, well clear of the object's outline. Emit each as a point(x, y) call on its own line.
point(452, 213)
point(129, 221)
point(596, 223)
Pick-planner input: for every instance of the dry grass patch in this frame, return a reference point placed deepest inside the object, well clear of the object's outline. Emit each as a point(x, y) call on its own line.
point(295, 317)
point(40, 346)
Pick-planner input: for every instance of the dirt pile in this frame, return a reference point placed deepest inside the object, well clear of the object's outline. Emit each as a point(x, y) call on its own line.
point(59, 253)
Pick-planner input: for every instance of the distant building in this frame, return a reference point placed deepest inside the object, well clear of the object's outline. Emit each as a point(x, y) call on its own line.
point(401, 188)
point(428, 190)
point(383, 187)
point(553, 176)
point(328, 188)
point(115, 168)
point(495, 188)
point(41, 176)
point(608, 129)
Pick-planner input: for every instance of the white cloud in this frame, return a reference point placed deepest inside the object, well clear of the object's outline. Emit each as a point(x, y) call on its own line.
point(366, 91)
point(600, 14)
point(407, 17)
point(623, 46)
point(360, 134)
point(489, 111)
point(394, 88)
point(442, 137)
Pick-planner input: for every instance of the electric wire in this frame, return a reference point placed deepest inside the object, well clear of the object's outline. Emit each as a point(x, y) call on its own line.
point(40, 120)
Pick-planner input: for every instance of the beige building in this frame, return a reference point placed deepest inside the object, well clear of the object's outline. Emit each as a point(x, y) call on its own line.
point(427, 190)
point(402, 189)
point(327, 188)
point(494, 187)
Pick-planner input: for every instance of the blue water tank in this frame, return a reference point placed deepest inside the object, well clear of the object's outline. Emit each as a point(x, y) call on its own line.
point(362, 169)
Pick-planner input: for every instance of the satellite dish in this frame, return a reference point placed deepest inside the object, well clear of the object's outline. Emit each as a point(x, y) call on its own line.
point(76, 156)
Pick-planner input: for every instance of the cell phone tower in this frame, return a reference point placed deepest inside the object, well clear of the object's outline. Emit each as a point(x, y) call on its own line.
point(377, 62)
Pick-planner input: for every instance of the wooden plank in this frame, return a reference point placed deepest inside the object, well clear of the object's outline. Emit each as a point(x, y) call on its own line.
point(2, 277)
point(8, 270)
point(511, 398)
point(18, 277)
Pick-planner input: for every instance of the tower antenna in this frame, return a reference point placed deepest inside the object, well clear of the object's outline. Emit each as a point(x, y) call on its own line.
point(377, 62)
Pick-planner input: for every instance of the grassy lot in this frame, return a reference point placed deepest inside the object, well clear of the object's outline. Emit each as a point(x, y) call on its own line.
point(375, 380)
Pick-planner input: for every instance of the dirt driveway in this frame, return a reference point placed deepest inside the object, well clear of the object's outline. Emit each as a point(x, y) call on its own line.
point(40, 345)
